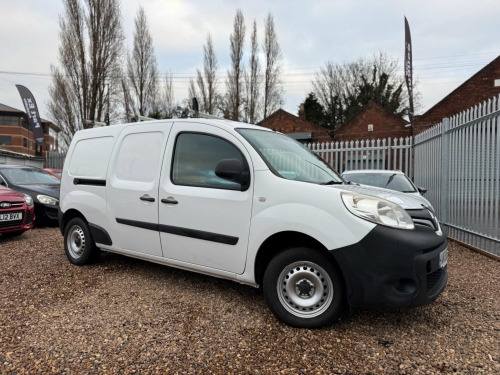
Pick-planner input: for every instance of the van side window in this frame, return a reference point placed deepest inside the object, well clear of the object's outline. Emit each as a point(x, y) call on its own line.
point(195, 159)
point(133, 163)
point(90, 157)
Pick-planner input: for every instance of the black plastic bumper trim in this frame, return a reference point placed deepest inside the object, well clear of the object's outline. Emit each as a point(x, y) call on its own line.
point(185, 232)
point(390, 268)
point(100, 235)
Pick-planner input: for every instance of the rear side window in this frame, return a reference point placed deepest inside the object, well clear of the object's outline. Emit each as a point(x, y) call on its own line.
point(195, 159)
point(90, 157)
point(139, 157)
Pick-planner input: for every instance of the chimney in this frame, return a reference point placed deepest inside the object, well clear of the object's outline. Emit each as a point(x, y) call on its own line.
point(302, 113)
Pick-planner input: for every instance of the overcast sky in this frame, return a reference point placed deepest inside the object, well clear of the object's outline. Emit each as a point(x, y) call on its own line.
point(452, 39)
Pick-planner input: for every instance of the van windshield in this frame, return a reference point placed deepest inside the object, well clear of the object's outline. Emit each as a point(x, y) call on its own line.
point(289, 159)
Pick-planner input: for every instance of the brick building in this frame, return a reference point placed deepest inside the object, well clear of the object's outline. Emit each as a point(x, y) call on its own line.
point(16, 135)
point(296, 127)
point(372, 122)
point(482, 86)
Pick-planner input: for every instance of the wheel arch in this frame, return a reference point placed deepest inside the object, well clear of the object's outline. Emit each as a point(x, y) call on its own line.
point(285, 240)
point(67, 216)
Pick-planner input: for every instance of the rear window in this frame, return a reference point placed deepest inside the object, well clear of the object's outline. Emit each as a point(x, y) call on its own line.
point(90, 157)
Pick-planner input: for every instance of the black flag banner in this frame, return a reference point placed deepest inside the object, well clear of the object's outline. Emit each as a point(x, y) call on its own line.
point(409, 70)
point(33, 115)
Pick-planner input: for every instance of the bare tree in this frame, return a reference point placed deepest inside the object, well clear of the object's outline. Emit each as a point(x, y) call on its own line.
point(89, 64)
point(192, 92)
point(207, 80)
point(273, 88)
point(252, 83)
point(343, 88)
point(142, 67)
point(234, 81)
point(167, 97)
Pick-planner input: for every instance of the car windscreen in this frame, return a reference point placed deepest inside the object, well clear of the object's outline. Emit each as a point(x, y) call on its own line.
point(394, 181)
point(29, 176)
point(289, 159)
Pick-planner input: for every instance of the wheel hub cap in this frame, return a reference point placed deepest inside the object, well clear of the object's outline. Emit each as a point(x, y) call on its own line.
point(304, 288)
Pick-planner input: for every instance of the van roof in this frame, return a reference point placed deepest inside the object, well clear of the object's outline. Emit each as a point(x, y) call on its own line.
point(228, 124)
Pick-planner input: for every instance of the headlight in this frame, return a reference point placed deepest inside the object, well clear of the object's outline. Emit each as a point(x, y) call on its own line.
point(28, 199)
point(377, 210)
point(45, 199)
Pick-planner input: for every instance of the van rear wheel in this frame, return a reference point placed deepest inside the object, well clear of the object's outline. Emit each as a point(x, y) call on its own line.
point(303, 288)
point(78, 242)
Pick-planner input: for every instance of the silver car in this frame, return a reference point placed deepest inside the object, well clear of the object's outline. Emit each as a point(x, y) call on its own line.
point(387, 179)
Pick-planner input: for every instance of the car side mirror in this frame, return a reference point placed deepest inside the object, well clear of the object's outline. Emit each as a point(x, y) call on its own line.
point(422, 190)
point(233, 170)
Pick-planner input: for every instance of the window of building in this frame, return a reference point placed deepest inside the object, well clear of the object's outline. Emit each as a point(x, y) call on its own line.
point(9, 120)
point(5, 140)
point(195, 159)
point(25, 142)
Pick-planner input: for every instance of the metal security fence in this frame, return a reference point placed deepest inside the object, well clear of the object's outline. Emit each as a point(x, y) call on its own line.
point(458, 160)
point(54, 159)
point(389, 153)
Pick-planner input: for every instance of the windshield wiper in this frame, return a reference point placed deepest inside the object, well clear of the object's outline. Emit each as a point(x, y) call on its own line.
point(331, 182)
point(390, 179)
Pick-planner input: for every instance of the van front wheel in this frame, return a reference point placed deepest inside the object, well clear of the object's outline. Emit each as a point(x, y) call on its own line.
point(78, 242)
point(303, 288)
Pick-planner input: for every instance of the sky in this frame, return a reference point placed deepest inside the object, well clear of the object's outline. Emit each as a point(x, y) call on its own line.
point(451, 40)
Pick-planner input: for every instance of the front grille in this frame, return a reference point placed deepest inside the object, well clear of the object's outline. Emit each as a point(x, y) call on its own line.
point(14, 223)
point(14, 204)
point(426, 222)
point(434, 278)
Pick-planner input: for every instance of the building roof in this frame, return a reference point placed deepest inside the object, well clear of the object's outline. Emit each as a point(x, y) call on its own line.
point(372, 106)
point(281, 112)
point(493, 62)
point(6, 108)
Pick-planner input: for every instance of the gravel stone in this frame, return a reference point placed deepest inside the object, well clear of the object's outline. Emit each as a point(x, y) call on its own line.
point(126, 316)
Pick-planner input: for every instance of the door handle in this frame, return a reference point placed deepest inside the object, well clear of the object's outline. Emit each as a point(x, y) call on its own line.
point(147, 198)
point(169, 200)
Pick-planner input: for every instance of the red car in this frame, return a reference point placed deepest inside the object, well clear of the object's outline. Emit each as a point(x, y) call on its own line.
point(17, 212)
point(54, 172)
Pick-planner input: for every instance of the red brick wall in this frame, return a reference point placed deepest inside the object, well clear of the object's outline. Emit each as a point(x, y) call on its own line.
point(384, 125)
point(18, 134)
point(475, 90)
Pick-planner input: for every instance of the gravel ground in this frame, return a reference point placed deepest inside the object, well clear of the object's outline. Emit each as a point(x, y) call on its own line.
point(122, 315)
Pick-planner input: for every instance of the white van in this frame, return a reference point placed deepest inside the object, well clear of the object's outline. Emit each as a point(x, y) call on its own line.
point(245, 203)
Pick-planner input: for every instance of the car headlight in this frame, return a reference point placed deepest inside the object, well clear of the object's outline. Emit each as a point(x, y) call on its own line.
point(377, 210)
point(28, 199)
point(45, 199)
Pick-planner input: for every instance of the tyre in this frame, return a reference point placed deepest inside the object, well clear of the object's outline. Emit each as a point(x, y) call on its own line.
point(78, 242)
point(303, 288)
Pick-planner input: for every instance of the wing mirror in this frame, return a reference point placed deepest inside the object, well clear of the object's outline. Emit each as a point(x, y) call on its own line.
point(233, 170)
point(422, 190)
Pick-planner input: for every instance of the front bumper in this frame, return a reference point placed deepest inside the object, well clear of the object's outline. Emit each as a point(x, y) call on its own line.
point(26, 223)
point(46, 214)
point(393, 268)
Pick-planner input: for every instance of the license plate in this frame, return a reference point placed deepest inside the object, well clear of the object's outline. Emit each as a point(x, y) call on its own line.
point(443, 258)
point(11, 217)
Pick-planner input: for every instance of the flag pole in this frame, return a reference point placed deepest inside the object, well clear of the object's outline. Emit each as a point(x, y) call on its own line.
point(408, 67)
